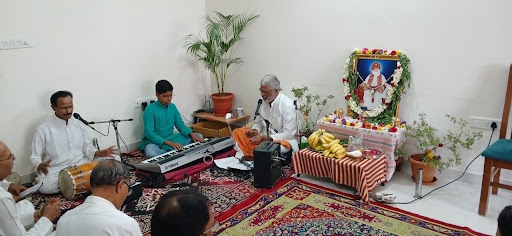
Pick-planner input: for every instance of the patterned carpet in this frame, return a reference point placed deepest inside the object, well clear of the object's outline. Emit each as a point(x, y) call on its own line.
point(296, 207)
point(224, 188)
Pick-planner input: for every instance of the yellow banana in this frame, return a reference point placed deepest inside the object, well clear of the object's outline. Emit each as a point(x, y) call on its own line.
point(332, 155)
point(341, 151)
point(326, 152)
point(315, 141)
point(322, 140)
point(341, 155)
point(311, 139)
point(336, 147)
point(330, 136)
point(318, 148)
point(327, 140)
point(331, 143)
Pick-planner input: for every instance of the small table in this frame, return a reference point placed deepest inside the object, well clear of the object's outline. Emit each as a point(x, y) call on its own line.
point(221, 119)
point(386, 142)
point(363, 174)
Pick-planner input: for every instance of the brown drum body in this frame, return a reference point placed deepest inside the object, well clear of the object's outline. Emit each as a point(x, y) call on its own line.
point(74, 181)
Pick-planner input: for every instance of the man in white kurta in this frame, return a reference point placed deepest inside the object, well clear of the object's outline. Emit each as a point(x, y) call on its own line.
point(15, 216)
point(60, 142)
point(100, 214)
point(375, 88)
point(279, 111)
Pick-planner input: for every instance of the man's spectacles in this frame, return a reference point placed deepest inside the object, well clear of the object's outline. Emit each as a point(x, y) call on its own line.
point(128, 184)
point(11, 157)
point(168, 96)
point(214, 228)
point(265, 92)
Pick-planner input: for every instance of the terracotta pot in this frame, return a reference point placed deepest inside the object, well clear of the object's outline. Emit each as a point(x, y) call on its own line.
point(428, 171)
point(222, 103)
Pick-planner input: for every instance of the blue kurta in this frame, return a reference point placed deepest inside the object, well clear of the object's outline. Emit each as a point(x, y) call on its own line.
point(159, 123)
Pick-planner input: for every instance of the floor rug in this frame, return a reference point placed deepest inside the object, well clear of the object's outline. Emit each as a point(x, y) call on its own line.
point(224, 188)
point(296, 207)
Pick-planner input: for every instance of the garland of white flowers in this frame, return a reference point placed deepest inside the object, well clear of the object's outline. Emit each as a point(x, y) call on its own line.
point(393, 85)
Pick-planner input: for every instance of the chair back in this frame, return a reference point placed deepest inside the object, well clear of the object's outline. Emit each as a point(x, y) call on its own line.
point(506, 108)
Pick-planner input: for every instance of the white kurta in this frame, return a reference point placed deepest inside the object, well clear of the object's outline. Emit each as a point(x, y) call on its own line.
point(97, 216)
point(24, 208)
point(11, 218)
point(65, 144)
point(282, 117)
point(5, 184)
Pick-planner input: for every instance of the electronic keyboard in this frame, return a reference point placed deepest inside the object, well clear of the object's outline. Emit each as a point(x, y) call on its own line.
point(176, 158)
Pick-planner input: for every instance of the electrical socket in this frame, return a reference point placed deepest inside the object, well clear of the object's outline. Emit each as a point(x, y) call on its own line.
point(482, 122)
point(138, 102)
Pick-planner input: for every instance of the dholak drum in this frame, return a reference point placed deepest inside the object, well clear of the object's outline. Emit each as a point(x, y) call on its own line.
point(74, 181)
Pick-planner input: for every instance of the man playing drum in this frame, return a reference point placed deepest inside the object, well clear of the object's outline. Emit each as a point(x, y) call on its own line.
point(60, 142)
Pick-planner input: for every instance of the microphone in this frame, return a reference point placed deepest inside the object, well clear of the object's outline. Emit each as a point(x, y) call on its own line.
point(257, 112)
point(78, 117)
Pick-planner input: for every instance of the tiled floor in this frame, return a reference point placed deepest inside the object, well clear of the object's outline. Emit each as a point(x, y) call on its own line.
point(456, 203)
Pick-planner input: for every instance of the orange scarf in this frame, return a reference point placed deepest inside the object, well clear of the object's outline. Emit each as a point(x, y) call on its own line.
point(245, 144)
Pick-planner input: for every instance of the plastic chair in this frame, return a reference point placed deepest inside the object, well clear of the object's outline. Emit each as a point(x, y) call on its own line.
point(497, 156)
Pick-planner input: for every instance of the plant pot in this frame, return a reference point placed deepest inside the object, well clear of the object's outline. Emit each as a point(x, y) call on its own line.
point(222, 103)
point(428, 171)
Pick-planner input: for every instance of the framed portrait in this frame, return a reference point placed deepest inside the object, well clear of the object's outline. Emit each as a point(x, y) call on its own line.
point(373, 83)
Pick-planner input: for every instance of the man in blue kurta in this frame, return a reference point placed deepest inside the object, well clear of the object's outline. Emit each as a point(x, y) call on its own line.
point(160, 118)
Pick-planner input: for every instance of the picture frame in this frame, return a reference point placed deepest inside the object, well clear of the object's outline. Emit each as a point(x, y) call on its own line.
point(373, 83)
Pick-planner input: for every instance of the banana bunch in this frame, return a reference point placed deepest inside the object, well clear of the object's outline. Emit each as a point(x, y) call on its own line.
point(334, 149)
point(319, 140)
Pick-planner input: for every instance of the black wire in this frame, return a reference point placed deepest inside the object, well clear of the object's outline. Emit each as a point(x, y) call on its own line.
point(108, 130)
point(416, 199)
point(490, 138)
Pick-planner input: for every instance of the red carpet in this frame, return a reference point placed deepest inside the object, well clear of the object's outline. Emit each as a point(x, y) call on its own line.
point(296, 207)
point(223, 188)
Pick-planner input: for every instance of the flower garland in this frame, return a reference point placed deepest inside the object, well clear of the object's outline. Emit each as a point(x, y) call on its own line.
point(349, 70)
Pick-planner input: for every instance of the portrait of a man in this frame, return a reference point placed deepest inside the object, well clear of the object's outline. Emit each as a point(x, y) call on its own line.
point(373, 83)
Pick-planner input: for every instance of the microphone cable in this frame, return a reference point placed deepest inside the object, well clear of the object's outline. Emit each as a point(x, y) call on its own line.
point(108, 130)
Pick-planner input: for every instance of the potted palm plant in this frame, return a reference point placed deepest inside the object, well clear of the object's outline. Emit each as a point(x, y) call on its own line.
point(215, 51)
point(429, 143)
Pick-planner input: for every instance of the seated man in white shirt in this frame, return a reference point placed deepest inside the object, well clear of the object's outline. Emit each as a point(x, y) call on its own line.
point(60, 142)
point(100, 214)
point(16, 216)
point(279, 111)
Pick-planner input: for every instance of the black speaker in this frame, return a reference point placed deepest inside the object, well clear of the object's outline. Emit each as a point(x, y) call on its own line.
point(266, 170)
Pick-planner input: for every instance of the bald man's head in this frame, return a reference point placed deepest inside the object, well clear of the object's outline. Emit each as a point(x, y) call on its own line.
point(6, 162)
point(3, 149)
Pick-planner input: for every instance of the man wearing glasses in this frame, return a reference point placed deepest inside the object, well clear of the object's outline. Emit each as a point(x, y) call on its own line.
point(100, 214)
point(160, 118)
point(16, 216)
point(183, 212)
point(279, 111)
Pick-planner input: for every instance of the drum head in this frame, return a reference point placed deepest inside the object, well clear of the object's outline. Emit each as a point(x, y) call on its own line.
point(66, 184)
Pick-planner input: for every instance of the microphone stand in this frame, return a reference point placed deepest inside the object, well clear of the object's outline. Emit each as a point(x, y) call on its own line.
point(114, 123)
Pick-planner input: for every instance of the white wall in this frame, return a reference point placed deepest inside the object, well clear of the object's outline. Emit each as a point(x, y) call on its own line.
point(107, 53)
point(459, 52)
